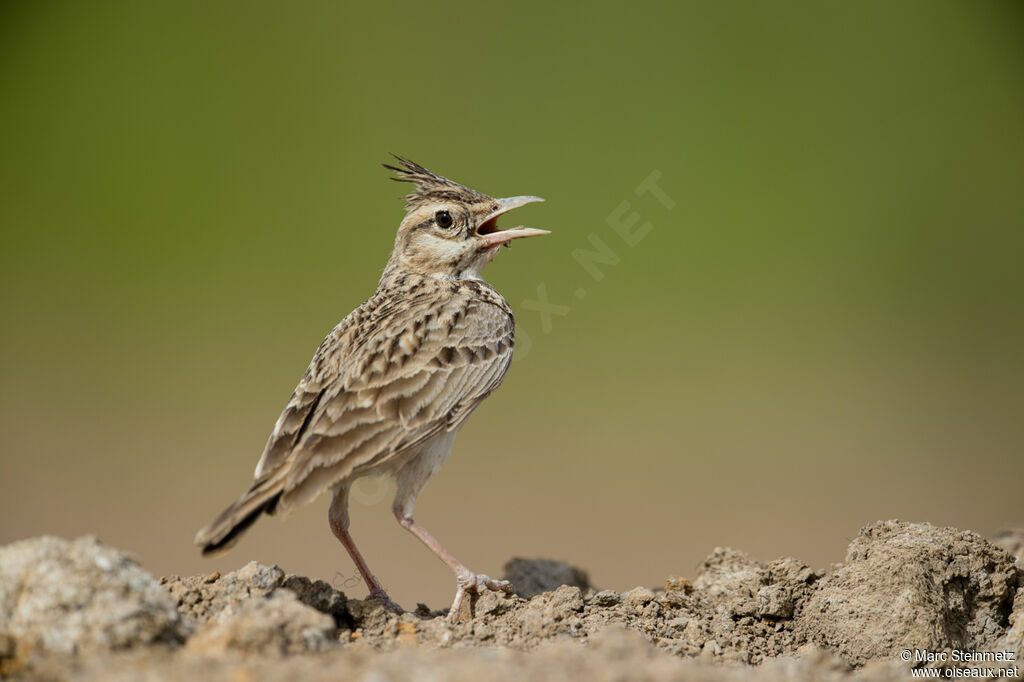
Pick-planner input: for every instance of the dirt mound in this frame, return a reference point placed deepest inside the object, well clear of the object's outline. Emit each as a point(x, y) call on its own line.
point(907, 586)
point(79, 597)
point(903, 586)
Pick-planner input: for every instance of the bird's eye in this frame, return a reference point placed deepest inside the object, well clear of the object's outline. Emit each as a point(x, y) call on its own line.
point(444, 219)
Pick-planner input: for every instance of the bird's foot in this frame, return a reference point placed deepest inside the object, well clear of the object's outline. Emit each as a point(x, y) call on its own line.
point(473, 583)
point(382, 596)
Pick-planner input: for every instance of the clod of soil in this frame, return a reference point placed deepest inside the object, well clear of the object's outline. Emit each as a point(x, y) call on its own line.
point(903, 585)
point(81, 597)
point(913, 587)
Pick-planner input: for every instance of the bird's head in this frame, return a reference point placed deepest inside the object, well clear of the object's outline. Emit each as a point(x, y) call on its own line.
point(450, 230)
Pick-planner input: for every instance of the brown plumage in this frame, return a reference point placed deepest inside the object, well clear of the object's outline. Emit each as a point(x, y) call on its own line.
point(390, 386)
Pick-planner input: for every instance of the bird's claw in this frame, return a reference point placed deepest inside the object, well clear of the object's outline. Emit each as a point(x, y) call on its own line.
point(474, 583)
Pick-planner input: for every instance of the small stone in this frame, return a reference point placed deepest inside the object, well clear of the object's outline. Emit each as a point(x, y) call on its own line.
point(260, 576)
point(566, 599)
point(638, 597)
point(606, 598)
point(774, 601)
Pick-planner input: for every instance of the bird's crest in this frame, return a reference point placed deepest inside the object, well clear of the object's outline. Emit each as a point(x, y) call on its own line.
point(430, 186)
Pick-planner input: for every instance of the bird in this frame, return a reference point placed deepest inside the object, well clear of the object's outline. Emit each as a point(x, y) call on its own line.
point(389, 388)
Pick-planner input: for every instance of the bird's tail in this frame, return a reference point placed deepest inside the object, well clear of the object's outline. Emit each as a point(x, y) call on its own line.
point(224, 531)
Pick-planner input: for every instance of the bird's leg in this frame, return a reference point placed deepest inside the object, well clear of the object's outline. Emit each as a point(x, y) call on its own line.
point(411, 478)
point(338, 518)
point(465, 579)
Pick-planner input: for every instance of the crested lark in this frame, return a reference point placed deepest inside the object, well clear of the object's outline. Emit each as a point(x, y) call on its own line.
point(390, 387)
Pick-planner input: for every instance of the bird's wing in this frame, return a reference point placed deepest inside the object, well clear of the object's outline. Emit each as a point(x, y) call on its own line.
point(390, 376)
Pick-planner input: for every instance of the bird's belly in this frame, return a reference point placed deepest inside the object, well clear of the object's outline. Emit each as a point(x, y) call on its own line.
point(427, 459)
point(414, 469)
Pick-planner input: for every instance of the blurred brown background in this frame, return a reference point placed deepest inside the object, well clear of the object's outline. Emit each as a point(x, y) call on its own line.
point(824, 330)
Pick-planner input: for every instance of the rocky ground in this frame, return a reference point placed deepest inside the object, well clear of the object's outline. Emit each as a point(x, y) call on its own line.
point(78, 610)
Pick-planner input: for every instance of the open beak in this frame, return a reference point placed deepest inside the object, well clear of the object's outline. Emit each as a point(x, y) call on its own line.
point(491, 235)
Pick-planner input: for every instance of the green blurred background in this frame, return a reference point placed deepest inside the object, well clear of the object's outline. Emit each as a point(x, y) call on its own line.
point(824, 330)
